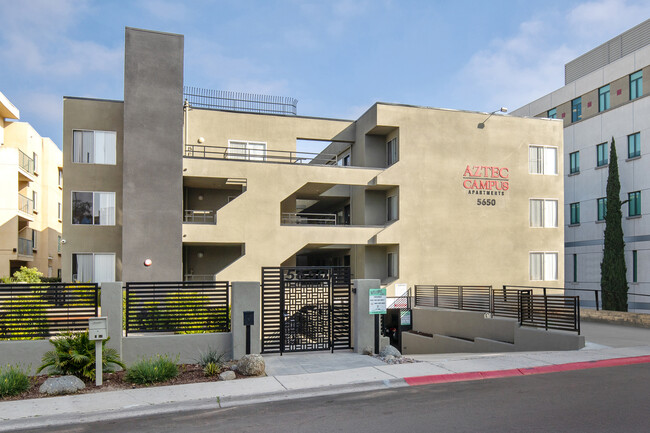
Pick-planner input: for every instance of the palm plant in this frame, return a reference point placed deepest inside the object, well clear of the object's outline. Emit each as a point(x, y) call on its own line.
point(74, 353)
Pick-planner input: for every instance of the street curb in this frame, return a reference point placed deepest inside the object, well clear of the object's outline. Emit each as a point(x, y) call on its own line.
point(215, 403)
point(495, 374)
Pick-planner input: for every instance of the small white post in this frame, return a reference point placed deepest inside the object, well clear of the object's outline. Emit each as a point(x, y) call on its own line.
point(98, 332)
point(99, 373)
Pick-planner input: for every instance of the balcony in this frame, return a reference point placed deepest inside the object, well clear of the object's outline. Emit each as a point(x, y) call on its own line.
point(26, 167)
point(258, 155)
point(309, 218)
point(191, 216)
point(25, 207)
point(25, 247)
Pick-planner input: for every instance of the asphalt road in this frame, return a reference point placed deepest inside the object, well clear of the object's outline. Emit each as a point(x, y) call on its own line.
point(615, 399)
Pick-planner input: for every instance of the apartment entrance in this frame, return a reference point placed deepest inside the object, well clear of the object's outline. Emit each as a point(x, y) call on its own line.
point(305, 308)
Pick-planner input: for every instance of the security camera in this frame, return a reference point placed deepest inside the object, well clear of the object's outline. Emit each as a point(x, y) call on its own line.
point(63, 241)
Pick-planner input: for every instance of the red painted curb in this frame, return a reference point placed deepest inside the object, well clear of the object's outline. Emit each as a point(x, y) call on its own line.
point(494, 374)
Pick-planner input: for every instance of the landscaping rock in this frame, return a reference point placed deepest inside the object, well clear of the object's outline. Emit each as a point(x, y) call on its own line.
point(251, 365)
point(389, 351)
point(368, 350)
point(227, 375)
point(62, 385)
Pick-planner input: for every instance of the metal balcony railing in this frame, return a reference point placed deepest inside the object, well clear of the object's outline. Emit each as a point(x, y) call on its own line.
point(191, 216)
point(25, 247)
point(199, 277)
point(309, 218)
point(25, 204)
point(283, 156)
point(25, 162)
point(236, 101)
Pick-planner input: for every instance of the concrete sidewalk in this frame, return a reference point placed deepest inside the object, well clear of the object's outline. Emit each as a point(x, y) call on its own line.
point(291, 376)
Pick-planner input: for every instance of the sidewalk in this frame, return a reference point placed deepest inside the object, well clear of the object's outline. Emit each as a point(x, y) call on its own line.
point(301, 375)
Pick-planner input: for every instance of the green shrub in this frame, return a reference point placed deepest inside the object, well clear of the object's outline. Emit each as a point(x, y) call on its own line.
point(210, 356)
point(13, 380)
point(75, 354)
point(212, 369)
point(159, 368)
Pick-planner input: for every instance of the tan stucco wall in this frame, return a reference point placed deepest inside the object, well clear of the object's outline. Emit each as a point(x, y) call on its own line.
point(101, 116)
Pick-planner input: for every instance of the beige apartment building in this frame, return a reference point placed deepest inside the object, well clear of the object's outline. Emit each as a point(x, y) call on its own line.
point(175, 183)
point(30, 196)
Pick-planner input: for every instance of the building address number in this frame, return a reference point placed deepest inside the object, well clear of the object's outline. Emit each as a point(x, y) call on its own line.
point(486, 202)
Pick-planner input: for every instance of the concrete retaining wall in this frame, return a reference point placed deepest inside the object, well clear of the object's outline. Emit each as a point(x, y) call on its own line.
point(456, 331)
point(616, 318)
point(26, 353)
point(186, 347)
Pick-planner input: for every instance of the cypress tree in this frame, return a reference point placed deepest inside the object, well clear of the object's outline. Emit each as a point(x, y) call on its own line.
point(613, 273)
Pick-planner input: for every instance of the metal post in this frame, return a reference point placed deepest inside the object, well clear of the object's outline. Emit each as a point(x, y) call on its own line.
point(545, 311)
point(98, 363)
point(248, 340)
point(596, 293)
point(460, 297)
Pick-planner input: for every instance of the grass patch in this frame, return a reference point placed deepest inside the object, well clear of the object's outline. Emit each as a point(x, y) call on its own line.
point(13, 380)
point(159, 368)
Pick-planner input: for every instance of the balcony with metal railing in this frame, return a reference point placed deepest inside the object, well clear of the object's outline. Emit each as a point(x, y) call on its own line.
point(290, 218)
point(25, 247)
point(258, 155)
point(25, 167)
point(192, 216)
point(25, 207)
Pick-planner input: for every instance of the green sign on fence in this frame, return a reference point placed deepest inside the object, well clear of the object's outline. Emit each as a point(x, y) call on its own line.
point(377, 301)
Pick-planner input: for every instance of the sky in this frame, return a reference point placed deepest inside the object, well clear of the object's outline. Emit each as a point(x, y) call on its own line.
point(337, 57)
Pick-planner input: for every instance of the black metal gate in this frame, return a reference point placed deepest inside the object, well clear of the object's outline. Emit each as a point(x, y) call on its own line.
point(305, 308)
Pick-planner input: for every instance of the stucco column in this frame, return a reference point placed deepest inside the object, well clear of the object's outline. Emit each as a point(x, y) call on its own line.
point(245, 296)
point(364, 323)
point(111, 302)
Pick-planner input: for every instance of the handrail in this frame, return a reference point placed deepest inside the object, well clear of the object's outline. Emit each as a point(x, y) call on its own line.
point(25, 162)
point(25, 204)
point(266, 155)
point(308, 218)
point(25, 247)
point(237, 101)
point(199, 277)
point(192, 216)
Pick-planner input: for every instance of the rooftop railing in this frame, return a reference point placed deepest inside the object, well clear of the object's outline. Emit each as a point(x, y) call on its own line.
point(282, 156)
point(236, 101)
point(191, 216)
point(308, 218)
point(25, 204)
point(25, 162)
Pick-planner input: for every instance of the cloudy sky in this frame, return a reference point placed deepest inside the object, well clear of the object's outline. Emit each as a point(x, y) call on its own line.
point(337, 57)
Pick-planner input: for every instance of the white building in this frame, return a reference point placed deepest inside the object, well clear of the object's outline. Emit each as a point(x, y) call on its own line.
point(605, 95)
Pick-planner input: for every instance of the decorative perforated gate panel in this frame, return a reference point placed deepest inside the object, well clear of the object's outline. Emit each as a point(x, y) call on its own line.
point(305, 309)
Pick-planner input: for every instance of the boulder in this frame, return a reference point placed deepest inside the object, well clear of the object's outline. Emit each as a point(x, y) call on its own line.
point(251, 365)
point(227, 375)
point(368, 350)
point(389, 351)
point(61, 385)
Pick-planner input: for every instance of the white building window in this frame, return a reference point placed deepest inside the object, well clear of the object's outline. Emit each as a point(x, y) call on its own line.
point(344, 160)
point(392, 265)
point(94, 147)
point(543, 266)
point(34, 239)
point(93, 208)
point(391, 208)
point(392, 152)
point(542, 160)
point(93, 267)
point(543, 213)
point(59, 211)
point(246, 150)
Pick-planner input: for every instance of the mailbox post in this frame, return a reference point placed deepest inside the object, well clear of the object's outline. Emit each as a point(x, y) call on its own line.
point(98, 332)
point(249, 320)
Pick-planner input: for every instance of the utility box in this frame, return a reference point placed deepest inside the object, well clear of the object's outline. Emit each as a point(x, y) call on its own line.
point(249, 318)
point(98, 328)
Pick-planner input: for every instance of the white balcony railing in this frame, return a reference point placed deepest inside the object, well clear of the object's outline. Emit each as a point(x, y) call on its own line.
point(25, 204)
point(191, 216)
point(309, 218)
point(25, 247)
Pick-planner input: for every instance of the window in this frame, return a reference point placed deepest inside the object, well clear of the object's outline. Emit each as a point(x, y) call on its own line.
point(636, 85)
point(59, 211)
point(603, 98)
point(552, 113)
point(574, 162)
point(344, 160)
point(93, 268)
point(601, 155)
point(95, 208)
point(543, 213)
point(634, 203)
point(575, 213)
point(35, 162)
point(634, 267)
point(602, 208)
point(34, 239)
point(542, 160)
point(35, 201)
point(392, 265)
point(543, 266)
point(58, 244)
point(392, 152)
point(575, 268)
point(634, 145)
point(60, 178)
point(391, 208)
point(93, 147)
point(576, 109)
point(247, 150)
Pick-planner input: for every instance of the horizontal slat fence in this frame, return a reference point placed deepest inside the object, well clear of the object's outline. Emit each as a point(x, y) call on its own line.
point(518, 302)
point(187, 307)
point(39, 310)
